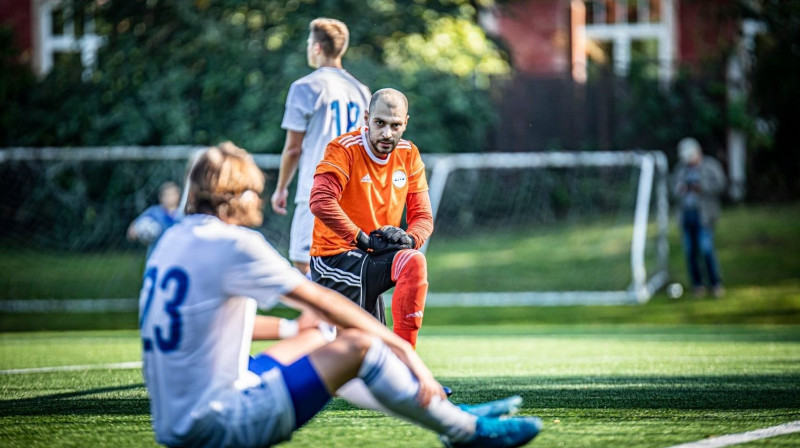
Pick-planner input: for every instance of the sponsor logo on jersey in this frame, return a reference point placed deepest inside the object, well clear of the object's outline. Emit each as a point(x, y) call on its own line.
point(366, 179)
point(415, 314)
point(399, 179)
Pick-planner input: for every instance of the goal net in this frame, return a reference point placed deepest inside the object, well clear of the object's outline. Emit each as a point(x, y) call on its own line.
point(554, 228)
point(64, 216)
point(511, 229)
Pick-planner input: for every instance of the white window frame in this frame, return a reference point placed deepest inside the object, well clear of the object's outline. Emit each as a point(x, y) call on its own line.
point(621, 34)
point(47, 44)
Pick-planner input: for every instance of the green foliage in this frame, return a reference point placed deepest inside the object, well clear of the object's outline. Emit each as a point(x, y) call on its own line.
point(209, 70)
point(15, 81)
point(775, 97)
point(658, 117)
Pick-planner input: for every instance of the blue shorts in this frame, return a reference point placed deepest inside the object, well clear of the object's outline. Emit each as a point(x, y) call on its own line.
point(306, 389)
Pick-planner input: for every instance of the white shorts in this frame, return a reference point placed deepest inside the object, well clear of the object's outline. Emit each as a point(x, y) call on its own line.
point(258, 416)
point(300, 236)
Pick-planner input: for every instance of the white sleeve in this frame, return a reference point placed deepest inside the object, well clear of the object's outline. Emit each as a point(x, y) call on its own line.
point(260, 272)
point(299, 108)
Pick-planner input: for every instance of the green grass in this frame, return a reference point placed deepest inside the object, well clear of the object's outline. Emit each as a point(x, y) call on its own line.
point(756, 245)
point(594, 386)
point(657, 375)
point(26, 274)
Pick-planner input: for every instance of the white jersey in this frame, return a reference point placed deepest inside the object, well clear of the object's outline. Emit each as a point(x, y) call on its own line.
point(324, 104)
point(202, 285)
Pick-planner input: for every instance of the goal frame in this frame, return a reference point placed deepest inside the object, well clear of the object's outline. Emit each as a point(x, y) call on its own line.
point(652, 186)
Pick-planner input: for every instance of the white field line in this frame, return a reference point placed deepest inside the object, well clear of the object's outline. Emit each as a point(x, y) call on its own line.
point(735, 439)
point(115, 366)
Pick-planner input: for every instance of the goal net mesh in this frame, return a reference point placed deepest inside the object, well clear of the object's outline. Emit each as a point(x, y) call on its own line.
point(64, 218)
point(546, 228)
point(532, 229)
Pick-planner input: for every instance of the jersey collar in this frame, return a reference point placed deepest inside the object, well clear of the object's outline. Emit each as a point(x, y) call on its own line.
point(365, 144)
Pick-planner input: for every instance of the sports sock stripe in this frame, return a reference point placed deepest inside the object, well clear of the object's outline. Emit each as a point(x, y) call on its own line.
point(402, 260)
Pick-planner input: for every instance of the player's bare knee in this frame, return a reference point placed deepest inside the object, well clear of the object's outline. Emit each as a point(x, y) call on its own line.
point(356, 342)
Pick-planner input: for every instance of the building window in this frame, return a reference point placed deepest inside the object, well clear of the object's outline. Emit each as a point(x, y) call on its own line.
point(61, 30)
point(617, 31)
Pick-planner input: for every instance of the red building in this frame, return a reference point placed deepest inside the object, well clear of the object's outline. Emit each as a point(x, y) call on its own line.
point(557, 46)
point(557, 37)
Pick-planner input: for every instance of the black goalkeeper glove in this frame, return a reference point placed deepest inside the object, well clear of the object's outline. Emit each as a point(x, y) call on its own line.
point(396, 236)
point(385, 239)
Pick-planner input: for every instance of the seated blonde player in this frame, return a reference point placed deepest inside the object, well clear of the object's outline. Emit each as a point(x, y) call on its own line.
point(198, 303)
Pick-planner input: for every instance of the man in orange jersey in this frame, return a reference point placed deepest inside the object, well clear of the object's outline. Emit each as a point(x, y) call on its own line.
point(361, 186)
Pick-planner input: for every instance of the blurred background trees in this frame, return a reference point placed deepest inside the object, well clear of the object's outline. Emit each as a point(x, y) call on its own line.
point(203, 71)
point(210, 70)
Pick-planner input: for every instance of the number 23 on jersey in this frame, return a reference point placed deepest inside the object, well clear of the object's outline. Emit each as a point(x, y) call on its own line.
point(161, 328)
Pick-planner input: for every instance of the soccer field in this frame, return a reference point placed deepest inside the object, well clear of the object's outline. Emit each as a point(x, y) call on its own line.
point(593, 386)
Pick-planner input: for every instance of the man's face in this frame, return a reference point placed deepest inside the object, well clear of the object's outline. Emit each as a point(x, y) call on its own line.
point(385, 127)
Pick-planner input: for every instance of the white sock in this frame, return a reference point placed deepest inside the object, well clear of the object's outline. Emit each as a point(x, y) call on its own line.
point(357, 393)
point(394, 386)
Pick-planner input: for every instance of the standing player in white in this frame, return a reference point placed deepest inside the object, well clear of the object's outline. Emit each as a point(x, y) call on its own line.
point(202, 285)
point(319, 107)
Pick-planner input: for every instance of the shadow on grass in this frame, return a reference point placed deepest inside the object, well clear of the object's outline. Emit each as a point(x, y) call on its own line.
point(709, 393)
point(625, 393)
point(686, 393)
point(72, 403)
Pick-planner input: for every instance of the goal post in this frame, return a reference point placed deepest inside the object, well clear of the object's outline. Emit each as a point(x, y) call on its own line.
point(65, 212)
point(650, 194)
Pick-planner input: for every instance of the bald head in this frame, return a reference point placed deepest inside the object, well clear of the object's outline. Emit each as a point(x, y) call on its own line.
point(386, 121)
point(391, 99)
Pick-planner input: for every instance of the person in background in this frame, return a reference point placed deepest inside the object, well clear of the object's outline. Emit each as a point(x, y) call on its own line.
point(319, 107)
point(697, 183)
point(148, 227)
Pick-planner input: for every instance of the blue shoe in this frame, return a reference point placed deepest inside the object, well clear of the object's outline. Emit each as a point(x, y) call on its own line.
point(497, 408)
point(447, 391)
point(493, 432)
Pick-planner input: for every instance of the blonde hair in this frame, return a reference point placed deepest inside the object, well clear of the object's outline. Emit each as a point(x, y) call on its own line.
point(225, 182)
point(331, 35)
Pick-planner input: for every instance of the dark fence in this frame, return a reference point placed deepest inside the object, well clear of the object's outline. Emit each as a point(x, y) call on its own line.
point(541, 114)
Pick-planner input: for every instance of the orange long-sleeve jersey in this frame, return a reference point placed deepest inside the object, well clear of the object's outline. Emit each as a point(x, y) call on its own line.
point(353, 189)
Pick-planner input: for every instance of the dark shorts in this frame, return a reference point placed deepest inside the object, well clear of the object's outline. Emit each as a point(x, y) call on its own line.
point(358, 276)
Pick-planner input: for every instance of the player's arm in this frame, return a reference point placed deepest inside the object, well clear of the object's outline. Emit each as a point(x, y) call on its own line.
point(419, 215)
point(290, 158)
point(324, 204)
point(336, 309)
point(270, 327)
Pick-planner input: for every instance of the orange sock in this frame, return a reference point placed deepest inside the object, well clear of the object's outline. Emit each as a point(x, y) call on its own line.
point(410, 274)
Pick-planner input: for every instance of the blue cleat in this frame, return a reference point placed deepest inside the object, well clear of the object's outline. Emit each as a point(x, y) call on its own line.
point(491, 432)
point(447, 391)
point(497, 408)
